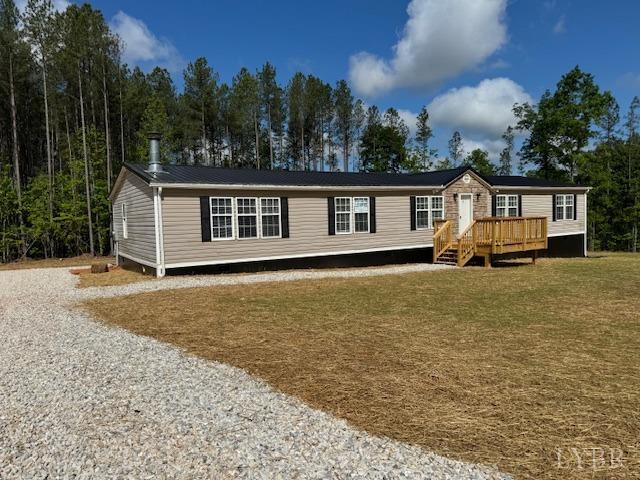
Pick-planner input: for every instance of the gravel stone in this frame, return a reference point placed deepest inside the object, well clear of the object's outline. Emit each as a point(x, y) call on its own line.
point(84, 400)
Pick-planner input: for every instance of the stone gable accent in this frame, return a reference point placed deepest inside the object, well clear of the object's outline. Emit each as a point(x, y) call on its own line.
point(481, 205)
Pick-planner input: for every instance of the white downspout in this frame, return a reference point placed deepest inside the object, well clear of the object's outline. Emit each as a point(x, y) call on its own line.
point(161, 231)
point(157, 220)
point(586, 223)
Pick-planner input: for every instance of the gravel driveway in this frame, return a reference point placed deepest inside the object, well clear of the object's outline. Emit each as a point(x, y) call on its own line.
point(79, 399)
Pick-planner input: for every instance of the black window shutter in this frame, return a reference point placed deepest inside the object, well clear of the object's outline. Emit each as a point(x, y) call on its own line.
point(553, 207)
point(205, 218)
point(372, 214)
point(412, 204)
point(494, 211)
point(575, 206)
point(284, 216)
point(519, 205)
point(331, 204)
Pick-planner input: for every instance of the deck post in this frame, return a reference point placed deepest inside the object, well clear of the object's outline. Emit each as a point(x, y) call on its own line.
point(534, 255)
point(494, 234)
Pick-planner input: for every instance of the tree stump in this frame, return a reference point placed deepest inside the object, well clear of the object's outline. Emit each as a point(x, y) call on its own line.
point(99, 268)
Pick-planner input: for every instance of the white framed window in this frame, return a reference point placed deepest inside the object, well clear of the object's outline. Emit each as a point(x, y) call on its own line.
point(270, 218)
point(428, 209)
point(437, 209)
point(222, 218)
point(343, 215)
point(506, 205)
point(564, 207)
point(422, 212)
point(361, 214)
point(247, 217)
point(125, 226)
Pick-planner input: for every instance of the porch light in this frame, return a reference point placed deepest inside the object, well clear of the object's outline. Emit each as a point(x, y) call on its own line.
point(455, 196)
point(477, 197)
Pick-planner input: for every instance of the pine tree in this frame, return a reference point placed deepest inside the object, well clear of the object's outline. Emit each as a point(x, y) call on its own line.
point(633, 170)
point(507, 152)
point(359, 119)
point(344, 119)
point(297, 120)
point(12, 51)
point(456, 151)
point(245, 109)
point(271, 100)
point(199, 94)
point(384, 144)
point(478, 159)
point(38, 25)
point(424, 134)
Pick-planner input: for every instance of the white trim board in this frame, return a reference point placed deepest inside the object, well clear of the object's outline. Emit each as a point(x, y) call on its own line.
point(329, 188)
point(499, 188)
point(568, 234)
point(586, 217)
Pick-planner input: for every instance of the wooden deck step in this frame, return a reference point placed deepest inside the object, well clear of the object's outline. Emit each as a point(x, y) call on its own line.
point(448, 257)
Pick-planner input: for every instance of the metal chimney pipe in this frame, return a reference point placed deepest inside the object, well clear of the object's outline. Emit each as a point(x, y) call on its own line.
point(154, 152)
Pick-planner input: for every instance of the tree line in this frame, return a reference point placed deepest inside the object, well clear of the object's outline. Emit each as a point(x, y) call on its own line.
point(71, 113)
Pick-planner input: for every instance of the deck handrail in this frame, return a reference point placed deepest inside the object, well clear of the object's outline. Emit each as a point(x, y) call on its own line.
point(442, 237)
point(489, 236)
point(466, 244)
point(498, 231)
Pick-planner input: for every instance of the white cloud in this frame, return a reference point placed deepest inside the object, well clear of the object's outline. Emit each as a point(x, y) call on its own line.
point(629, 80)
point(485, 109)
point(58, 5)
point(560, 26)
point(410, 119)
point(141, 46)
point(492, 146)
point(440, 40)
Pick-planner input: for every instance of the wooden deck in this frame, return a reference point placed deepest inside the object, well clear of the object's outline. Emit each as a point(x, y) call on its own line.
point(487, 237)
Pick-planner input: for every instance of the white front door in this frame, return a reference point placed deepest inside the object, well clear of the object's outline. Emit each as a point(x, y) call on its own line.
point(465, 209)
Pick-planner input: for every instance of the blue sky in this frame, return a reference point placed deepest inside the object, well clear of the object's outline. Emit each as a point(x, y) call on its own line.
point(467, 59)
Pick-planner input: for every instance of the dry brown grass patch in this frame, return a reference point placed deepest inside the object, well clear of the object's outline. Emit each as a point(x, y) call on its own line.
point(55, 262)
point(500, 366)
point(115, 276)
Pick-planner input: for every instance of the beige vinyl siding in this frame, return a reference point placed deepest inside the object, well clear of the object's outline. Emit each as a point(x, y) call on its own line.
point(141, 241)
point(542, 205)
point(308, 227)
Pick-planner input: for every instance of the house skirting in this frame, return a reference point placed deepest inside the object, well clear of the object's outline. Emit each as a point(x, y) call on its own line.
point(129, 263)
point(559, 246)
point(365, 259)
point(566, 246)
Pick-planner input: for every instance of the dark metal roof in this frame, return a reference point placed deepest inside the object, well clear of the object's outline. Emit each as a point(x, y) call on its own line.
point(515, 181)
point(190, 174)
point(201, 175)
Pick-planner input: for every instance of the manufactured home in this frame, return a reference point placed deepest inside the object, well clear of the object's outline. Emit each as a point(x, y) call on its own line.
point(168, 217)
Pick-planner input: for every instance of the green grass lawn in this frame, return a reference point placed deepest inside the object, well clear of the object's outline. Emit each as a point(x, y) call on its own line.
point(500, 366)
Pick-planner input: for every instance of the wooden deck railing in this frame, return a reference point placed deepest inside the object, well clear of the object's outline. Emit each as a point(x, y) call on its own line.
point(442, 238)
point(466, 245)
point(489, 236)
point(518, 233)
